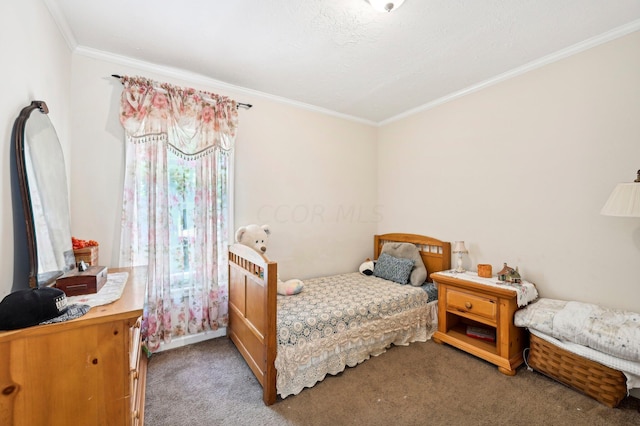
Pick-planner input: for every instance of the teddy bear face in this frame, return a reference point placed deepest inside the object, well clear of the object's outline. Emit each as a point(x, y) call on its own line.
point(254, 236)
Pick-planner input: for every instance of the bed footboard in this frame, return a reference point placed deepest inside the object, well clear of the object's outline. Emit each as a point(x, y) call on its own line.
point(252, 314)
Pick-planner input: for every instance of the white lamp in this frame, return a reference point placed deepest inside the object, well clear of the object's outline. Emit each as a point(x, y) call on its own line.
point(624, 200)
point(459, 249)
point(385, 5)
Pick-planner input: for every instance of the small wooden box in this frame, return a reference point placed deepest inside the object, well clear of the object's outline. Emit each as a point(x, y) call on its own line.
point(484, 270)
point(88, 254)
point(78, 282)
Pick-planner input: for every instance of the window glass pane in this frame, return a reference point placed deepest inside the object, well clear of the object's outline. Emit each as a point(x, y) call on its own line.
point(181, 217)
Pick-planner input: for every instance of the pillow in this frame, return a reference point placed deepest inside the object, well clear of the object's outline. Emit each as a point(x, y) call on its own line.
point(408, 251)
point(290, 287)
point(393, 268)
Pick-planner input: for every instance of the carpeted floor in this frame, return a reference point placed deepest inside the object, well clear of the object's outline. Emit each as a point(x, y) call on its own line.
point(421, 384)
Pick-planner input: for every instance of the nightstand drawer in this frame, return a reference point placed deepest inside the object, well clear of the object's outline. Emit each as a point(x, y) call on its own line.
point(464, 302)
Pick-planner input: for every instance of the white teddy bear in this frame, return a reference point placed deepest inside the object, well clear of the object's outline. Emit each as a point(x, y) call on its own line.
point(256, 237)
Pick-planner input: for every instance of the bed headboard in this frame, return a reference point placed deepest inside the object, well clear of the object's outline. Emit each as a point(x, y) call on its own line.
point(435, 254)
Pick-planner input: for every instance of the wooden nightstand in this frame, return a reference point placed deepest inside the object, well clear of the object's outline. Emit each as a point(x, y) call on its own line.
point(466, 302)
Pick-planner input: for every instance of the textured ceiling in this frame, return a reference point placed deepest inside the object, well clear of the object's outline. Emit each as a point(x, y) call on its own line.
point(341, 55)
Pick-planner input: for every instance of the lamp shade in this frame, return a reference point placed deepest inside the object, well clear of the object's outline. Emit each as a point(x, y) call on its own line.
point(385, 5)
point(623, 201)
point(458, 247)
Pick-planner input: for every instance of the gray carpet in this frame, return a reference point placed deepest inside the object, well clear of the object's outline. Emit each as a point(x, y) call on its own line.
point(421, 384)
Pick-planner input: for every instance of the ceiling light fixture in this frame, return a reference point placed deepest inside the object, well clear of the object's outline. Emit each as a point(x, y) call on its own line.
point(385, 5)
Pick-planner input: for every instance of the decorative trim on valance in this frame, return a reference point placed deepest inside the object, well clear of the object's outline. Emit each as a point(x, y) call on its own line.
point(164, 138)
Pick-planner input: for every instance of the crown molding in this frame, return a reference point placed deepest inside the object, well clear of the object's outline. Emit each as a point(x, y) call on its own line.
point(206, 81)
point(194, 78)
point(546, 60)
point(61, 23)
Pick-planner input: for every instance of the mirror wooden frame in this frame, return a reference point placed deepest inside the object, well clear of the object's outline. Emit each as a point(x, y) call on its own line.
point(36, 278)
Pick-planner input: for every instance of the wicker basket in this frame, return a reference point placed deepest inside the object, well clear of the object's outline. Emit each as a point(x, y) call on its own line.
point(88, 254)
point(598, 381)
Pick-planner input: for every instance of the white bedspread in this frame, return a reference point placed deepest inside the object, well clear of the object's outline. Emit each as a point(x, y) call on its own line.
point(610, 331)
point(341, 321)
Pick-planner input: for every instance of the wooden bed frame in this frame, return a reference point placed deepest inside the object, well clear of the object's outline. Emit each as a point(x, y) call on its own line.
point(252, 301)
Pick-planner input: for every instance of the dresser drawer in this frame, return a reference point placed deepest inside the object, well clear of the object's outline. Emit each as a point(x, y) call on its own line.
point(485, 307)
point(135, 341)
point(137, 374)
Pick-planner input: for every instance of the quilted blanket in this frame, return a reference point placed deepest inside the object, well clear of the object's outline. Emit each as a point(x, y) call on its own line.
point(610, 331)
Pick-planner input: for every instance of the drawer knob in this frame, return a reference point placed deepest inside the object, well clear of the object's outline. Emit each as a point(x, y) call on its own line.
point(468, 305)
point(9, 390)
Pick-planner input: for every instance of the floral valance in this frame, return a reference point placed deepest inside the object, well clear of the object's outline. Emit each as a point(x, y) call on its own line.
point(196, 122)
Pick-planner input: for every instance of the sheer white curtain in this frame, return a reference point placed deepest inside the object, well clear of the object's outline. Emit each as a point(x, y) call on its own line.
point(176, 203)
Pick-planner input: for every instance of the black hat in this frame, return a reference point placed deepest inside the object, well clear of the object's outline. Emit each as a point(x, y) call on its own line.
point(25, 308)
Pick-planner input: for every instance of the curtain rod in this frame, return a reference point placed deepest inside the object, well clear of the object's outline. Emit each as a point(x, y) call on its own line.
point(239, 104)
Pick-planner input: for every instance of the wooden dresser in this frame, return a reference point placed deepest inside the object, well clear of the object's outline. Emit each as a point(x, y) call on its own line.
point(463, 303)
point(88, 371)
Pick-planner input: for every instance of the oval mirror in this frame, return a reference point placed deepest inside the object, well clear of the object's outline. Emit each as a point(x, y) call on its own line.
point(45, 200)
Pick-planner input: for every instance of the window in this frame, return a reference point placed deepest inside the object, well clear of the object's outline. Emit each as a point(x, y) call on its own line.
point(175, 203)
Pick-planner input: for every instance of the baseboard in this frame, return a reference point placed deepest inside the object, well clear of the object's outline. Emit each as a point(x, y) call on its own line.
point(191, 339)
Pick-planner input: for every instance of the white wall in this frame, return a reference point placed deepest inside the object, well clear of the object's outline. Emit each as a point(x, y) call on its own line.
point(520, 171)
point(36, 65)
point(310, 176)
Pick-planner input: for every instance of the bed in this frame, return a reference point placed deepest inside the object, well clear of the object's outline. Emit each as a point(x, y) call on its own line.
point(593, 349)
point(292, 342)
